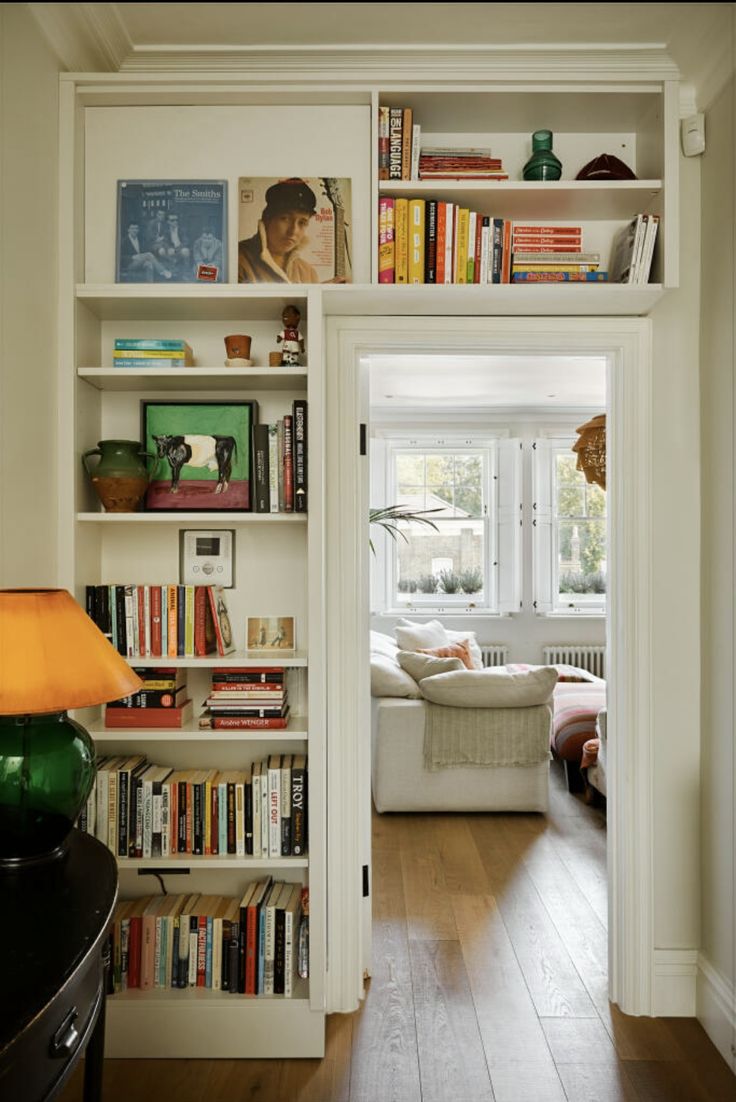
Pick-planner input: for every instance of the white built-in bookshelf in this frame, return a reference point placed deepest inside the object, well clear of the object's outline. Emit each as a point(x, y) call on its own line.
point(173, 126)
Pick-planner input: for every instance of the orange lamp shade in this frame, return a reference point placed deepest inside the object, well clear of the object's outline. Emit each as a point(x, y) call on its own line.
point(53, 657)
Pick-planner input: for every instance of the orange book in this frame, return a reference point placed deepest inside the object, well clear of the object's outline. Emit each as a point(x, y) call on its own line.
point(171, 613)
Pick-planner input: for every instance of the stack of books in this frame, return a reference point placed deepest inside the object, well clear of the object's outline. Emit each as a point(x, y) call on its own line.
point(633, 250)
point(151, 352)
point(162, 702)
point(552, 254)
point(398, 144)
point(156, 621)
point(460, 164)
point(246, 945)
point(280, 463)
point(248, 698)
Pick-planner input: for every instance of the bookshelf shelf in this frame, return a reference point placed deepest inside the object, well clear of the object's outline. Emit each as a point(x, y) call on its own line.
point(195, 378)
point(203, 995)
point(569, 200)
point(293, 660)
point(206, 519)
point(297, 729)
point(186, 860)
point(184, 302)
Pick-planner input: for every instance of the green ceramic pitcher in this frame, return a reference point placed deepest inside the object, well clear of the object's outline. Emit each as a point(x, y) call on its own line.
point(120, 478)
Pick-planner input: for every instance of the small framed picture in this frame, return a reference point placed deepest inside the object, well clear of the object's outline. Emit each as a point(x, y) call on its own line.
point(270, 633)
point(172, 231)
point(199, 455)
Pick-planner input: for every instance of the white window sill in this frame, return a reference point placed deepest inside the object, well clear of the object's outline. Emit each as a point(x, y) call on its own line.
point(434, 613)
point(574, 614)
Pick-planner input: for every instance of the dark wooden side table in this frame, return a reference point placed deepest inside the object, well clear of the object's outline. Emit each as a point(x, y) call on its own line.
point(54, 924)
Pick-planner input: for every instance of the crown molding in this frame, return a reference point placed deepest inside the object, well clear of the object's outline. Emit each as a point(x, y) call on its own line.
point(396, 65)
point(85, 37)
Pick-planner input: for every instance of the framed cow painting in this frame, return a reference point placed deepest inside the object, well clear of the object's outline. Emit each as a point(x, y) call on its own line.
point(199, 455)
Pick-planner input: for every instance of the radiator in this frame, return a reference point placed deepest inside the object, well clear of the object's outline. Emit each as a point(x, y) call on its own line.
point(589, 658)
point(494, 654)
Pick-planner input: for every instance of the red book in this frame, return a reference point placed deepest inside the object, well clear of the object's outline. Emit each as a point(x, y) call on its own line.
point(249, 723)
point(134, 951)
point(156, 621)
point(548, 231)
point(251, 934)
point(441, 240)
point(141, 598)
point(204, 632)
point(539, 246)
point(228, 671)
point(148, 717)
point(247, 687)
point(220, 620)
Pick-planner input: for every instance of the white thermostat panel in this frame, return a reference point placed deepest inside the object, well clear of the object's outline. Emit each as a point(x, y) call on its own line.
point(206, 558)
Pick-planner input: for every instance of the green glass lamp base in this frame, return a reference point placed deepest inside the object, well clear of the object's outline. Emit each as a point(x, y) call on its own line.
point(47, 768)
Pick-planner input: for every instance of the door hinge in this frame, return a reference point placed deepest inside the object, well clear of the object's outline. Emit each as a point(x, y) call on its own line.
point(366, 888)
point(363, 439)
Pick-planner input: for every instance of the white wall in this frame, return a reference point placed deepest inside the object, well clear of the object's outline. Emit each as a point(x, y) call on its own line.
point(717, 979)
point(28, 220)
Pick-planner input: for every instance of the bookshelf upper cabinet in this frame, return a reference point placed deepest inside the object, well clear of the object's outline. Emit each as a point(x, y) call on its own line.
point(635, 123)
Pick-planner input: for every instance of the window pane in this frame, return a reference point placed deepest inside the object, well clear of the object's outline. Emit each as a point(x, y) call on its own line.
point(446, 563)
point(410, 468)
point(565, 469)
point(570, 501)
point(596, 501)
point(469, 484)
point(582, 556)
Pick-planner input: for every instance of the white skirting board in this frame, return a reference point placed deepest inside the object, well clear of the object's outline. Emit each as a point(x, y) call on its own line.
point(675, 974)
point(161, 1026)
point(716, 1009)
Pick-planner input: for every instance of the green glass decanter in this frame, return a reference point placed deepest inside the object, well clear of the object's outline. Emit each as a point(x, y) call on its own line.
point(542, 165)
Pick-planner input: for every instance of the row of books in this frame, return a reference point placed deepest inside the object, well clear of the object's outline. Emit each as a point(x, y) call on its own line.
point(401, 156)
point(253, 945)
point(151, 352)
point(155, 621)
point(139, 809)
point(547, 254)
point(162, 701)
point(242, 699)
point(280, 463)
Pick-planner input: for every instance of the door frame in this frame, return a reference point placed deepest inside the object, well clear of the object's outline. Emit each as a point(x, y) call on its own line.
point(627, 344)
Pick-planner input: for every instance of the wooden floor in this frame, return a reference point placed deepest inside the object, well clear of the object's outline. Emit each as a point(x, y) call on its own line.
point(489, 983)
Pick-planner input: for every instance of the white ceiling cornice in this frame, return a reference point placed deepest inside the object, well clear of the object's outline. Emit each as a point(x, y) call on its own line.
point(85, 37)
point(393, 65)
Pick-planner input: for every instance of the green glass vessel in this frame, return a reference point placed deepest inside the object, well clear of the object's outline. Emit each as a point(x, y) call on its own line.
point(47, 768)
point(542, 165)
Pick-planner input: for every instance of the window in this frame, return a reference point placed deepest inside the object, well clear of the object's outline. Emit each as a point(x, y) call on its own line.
point(569, 533)
point(455, 564)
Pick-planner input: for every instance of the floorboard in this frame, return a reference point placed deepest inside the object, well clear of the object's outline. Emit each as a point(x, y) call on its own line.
point(488, 985)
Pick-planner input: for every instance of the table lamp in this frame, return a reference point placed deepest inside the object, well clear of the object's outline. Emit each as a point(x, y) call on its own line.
point(52, 657)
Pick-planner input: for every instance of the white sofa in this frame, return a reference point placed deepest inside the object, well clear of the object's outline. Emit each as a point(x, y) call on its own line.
point(400, 780)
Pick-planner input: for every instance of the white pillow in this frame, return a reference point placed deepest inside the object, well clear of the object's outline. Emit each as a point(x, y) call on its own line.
point(491, 688)
point(388, 678)
point(412, 636)
point(475, 653)
point(426, 665)
point(383, 644)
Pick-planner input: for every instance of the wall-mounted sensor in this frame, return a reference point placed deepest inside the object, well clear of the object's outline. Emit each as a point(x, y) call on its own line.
point(692, 130)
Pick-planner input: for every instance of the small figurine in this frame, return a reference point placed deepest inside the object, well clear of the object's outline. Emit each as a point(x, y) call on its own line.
point(290, 339)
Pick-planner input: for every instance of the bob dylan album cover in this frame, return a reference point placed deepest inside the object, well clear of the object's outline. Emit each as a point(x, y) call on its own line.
point(172, 231)
point(200, 454)
point(294, 230)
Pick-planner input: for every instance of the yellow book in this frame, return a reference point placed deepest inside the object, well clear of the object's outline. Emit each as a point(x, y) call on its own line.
point(531, 267)
point(401, 235)
point(171, 607)
point(463, 225)
point(416, 240)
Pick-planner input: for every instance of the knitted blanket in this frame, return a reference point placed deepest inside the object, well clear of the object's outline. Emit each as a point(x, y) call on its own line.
point(485, 736)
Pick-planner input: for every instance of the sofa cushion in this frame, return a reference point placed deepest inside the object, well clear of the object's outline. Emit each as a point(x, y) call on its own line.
point(418, 664)
point(388, 678)
point(451, 650)
point(491, 688)
point(412, 636)
point(383, 644)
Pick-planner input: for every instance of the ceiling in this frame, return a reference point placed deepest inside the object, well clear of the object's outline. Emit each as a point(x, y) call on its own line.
point(698, 37)
point(477, 382)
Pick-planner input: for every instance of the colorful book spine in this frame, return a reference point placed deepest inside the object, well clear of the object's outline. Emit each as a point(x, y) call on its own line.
point(153, 344)
point(559, 277)
point(430, 242)
point(386, 241)
point(416, 240)
point(401, 240)
point(396, 124)
point(406, 136)
point(299, 421)
point(383, 143)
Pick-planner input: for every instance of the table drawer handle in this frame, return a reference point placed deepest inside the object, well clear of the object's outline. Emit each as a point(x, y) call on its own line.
point(66, 1038)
